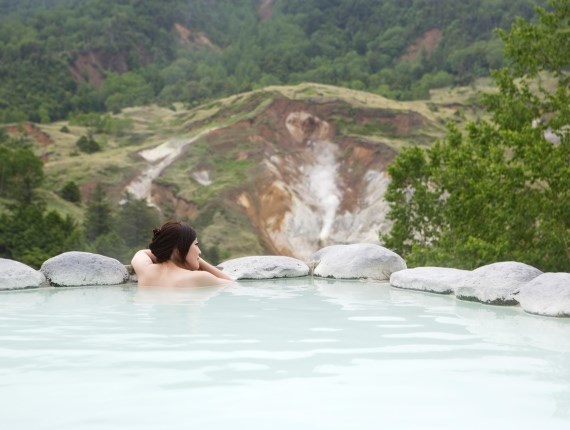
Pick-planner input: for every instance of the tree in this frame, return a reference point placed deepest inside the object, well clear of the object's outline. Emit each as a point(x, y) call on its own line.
point(128, 89)
point(501, 189)
point(71, 192)
point(135, 221)
point(21, 172)
point(28, 231)
point(98, 219)
point(88, 144)
point(31, 234)
point(111, 245)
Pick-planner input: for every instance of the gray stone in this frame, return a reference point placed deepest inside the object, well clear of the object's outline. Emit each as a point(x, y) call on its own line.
point(83, 268)
point(132, 274)
point(547, 294)
point(359, 260)
point(264, 267)
point(16, 276)
point(441, 280)
point(496, 283)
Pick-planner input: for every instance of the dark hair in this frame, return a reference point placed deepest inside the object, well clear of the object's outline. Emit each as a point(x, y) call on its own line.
point(172, 242)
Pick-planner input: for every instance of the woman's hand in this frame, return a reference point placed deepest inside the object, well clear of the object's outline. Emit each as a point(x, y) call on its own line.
point(207, 267)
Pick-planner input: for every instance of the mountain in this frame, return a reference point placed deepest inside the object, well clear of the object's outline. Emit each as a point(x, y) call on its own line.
point(286, 169)
point(59, 57)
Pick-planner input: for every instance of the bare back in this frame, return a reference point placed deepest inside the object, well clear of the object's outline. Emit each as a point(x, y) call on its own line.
point(151, 274)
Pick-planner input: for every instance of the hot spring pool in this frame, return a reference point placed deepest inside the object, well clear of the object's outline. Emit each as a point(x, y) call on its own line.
point(285, 354)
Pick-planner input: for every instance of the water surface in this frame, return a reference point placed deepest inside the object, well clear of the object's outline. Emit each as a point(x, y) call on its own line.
point(285, 354)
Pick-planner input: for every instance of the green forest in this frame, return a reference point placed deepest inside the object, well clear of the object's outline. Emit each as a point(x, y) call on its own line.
point(61, 57)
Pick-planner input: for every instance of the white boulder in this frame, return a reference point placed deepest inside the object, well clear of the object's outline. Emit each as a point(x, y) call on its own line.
point(441, 280)
point(83, 268)
point(359, 260)
point(495, 283)
point(264, 267)
point(15, 276)
point(547, 294)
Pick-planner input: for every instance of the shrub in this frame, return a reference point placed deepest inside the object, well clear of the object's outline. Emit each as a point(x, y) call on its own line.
point(87, 144)
point(70, 192)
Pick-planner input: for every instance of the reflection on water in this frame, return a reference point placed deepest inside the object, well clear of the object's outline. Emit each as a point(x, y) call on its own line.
point(299, 353)
point(195, 297)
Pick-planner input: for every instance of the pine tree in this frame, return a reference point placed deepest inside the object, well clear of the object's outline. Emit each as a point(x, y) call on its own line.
point(98, 219)
point(135, 221)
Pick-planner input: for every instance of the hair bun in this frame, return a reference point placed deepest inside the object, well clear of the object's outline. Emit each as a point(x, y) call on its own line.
point(155, 233)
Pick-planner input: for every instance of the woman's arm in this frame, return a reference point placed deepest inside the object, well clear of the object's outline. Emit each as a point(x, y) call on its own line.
point(142, 259)
point(207, 267)
point(202, 278)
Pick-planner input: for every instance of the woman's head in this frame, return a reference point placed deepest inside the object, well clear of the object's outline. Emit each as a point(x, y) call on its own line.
point(172, 241)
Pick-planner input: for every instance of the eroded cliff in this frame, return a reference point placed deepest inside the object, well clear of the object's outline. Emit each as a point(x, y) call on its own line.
point(302, 174)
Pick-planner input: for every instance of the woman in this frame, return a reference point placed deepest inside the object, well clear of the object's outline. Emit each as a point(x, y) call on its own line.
point(174, 260)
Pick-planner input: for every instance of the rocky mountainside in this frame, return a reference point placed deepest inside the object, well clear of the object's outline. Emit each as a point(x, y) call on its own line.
point(282, 170)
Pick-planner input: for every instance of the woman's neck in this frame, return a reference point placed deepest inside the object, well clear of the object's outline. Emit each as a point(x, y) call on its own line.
point(171, 264)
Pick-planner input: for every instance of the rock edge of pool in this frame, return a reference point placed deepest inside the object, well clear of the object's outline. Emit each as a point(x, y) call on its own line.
point(507, 283)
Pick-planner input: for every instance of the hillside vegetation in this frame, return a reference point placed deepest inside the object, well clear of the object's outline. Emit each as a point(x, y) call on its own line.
point(249, 129)
point(499, 190)
point(59, 57)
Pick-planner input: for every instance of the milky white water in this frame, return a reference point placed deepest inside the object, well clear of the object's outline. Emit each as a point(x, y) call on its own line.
point(285, 354)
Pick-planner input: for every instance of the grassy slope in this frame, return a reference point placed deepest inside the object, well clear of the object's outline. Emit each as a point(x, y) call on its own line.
point(118, 162)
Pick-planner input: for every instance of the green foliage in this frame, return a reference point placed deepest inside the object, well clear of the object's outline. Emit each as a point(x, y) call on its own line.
point(102, 123)
point(31, 235)
point(28, 232)
point(71, 192)
point(500, 191)
point(58, 60)
point(214, 255)
point(135, 220)
point(112, 245)
point(114, 126)
point(91, 119)
point(128, 89)
point(118, 234)
point(88, 144)
point(98, 220)
point(20, 171)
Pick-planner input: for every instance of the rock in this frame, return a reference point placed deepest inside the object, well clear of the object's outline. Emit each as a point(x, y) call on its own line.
point(495, 283)
point(16, 276)
point(264, 267)
point(303, 126)
point(547, 294)
point(132, 274)
point(442, 280)
point(359, 260)
point(83, 268)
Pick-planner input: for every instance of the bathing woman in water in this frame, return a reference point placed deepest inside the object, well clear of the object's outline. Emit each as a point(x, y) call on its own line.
point(173, 260)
